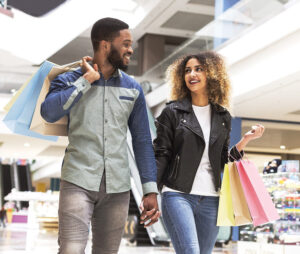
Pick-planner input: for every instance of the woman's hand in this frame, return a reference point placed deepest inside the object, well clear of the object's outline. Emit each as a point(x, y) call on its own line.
point(256, 132)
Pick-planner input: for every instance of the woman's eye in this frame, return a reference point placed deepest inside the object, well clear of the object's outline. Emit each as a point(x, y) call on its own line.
point(199, 69)
point(187, 70)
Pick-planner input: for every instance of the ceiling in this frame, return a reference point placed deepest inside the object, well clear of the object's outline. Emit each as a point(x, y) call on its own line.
point(275, 99)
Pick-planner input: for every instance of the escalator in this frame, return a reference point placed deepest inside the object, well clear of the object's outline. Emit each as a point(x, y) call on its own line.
point(155, 234)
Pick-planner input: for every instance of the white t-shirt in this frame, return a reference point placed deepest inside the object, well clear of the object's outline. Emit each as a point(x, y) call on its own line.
point(203, 182)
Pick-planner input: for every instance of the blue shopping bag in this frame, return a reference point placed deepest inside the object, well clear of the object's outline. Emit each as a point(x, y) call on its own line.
point(18, 118)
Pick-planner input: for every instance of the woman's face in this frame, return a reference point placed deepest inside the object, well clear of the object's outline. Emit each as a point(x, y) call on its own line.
point(195, 76)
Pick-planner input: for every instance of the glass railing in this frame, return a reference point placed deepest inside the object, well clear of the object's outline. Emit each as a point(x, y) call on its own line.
point(232, 24)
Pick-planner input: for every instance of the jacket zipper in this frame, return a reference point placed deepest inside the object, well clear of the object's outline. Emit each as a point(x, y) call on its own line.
point(175, 168)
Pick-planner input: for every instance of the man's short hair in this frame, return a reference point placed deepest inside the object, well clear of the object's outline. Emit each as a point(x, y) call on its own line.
point(106, 29)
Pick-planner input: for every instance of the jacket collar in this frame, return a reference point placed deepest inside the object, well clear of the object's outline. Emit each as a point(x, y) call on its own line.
point(216, 120)
point(186, 105)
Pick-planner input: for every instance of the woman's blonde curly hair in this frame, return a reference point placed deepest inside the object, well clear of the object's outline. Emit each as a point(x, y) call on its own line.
point(218, 84)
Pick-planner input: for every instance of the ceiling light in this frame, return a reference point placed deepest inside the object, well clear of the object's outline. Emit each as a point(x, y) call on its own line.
point(282, 147)
point(125, 5)
point(26, 144)
point(13, 91)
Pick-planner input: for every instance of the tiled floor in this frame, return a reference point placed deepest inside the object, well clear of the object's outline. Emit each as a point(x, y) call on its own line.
point(20, 240)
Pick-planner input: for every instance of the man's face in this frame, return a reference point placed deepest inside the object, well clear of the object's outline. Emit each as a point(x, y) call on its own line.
point(121, 50)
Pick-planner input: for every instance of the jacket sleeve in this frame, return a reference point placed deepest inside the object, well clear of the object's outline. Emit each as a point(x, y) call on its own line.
point(231, 154)
point(163, 144)
point(142, 144)
point(62, 95)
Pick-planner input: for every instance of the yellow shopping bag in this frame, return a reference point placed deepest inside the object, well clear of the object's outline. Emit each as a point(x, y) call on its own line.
point(225, 212)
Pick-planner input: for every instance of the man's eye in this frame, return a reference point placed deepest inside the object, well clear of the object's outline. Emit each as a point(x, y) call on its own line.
point(126, 45)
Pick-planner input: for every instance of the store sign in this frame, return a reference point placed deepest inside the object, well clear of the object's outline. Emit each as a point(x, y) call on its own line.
point(289, 166)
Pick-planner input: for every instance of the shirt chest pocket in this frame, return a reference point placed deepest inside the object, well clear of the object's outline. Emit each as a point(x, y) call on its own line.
point(125, 106)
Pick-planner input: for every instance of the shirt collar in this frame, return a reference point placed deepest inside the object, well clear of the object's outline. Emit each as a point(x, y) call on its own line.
point(117, 73)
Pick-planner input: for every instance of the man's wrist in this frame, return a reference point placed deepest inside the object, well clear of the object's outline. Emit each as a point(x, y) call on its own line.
point(150, 193)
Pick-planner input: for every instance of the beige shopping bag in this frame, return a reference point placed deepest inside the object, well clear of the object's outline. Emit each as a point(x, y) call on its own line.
point(225, 211)
point(38, 124)
point(240, 208)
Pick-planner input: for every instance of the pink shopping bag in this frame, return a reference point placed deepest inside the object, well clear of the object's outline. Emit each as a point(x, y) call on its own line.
point(260, 204)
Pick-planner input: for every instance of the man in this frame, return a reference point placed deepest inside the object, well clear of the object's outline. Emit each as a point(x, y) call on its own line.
point(101, 102)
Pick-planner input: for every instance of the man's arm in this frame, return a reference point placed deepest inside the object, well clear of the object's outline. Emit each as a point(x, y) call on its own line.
point(64, 93)
point(142, 146)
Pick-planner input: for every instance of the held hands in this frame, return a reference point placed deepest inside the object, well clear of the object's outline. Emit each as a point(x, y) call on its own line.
point(149, 208)
point(256, 132)
point(91, 74)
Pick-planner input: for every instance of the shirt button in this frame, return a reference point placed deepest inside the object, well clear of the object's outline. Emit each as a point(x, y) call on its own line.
point(106, 121)
point(105, 100)
point(105, 139)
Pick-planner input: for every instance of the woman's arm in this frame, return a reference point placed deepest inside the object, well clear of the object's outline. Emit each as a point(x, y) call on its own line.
point(163, 144)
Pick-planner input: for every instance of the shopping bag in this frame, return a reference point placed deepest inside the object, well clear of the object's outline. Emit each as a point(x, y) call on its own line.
point(18, 118)
point(239, 203)
point(261, 207)
point(225, 210)
point(38, 124)
point(16, 96)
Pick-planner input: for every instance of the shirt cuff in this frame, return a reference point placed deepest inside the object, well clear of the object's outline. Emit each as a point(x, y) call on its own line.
point(82, 85)
point(150, 187)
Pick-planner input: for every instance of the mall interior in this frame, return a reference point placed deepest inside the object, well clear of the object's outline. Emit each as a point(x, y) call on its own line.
point(260, 42)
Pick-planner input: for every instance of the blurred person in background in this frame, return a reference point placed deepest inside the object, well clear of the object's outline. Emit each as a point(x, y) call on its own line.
point(3, 217)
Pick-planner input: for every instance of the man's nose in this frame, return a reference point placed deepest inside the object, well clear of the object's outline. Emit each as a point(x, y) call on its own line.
point(130, 50)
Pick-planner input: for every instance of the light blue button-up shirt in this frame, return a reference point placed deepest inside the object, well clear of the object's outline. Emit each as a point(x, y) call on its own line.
point(99, 116)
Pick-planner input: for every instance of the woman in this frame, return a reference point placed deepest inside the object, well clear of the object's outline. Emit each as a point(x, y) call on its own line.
point(191, 149)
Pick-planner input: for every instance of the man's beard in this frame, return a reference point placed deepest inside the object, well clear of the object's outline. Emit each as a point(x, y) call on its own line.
point(115, 59)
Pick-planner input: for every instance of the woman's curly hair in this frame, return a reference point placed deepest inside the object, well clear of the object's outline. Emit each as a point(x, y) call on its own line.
point(218, 84)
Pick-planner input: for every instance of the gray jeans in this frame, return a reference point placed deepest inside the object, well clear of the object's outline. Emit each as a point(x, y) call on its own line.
point(106, 212)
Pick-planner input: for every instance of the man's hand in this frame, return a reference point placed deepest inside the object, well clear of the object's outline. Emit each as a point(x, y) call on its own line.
point(150, 212)
point(91, 74)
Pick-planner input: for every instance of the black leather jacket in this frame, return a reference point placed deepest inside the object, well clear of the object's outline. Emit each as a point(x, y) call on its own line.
point(180, 144)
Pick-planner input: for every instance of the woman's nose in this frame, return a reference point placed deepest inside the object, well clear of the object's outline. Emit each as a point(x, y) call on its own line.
point(193, 73)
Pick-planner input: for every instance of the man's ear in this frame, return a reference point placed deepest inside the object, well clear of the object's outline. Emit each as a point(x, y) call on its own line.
point(105, 45)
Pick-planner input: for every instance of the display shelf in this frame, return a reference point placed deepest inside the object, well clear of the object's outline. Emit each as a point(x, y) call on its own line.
point(284, 188)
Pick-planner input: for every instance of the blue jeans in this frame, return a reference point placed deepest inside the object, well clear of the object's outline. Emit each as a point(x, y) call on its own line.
point(191, 221)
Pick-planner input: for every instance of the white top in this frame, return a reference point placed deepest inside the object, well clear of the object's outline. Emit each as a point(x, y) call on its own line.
point(203, 182)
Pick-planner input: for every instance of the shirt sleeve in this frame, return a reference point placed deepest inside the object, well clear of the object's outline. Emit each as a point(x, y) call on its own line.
point(62, 95)
point(142, 144)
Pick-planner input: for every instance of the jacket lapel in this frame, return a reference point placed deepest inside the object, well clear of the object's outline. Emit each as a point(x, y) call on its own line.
point(190, 119)
point(217, 123)
point(191, 122)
